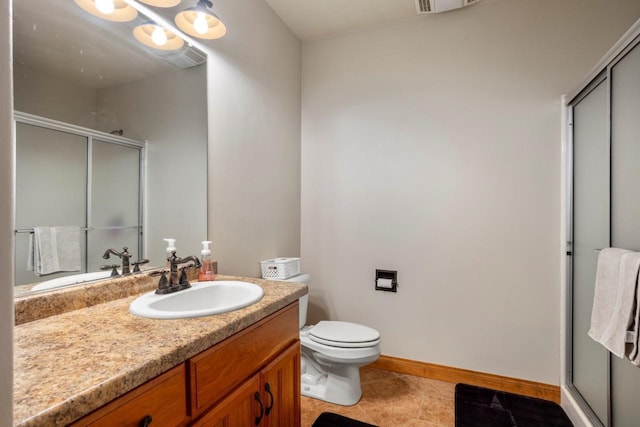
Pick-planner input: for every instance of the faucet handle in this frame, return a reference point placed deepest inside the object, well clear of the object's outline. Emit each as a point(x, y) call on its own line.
point(112, 267)
point(136, 265)
point(184, 280)
point(163, 284)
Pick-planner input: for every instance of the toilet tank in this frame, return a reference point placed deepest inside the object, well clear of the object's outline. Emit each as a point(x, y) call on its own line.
point(304, 278)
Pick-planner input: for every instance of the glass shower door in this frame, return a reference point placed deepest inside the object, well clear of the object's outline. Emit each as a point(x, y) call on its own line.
point(51, 189)
point(115, 211)
point(625, 212)
point(591, 154)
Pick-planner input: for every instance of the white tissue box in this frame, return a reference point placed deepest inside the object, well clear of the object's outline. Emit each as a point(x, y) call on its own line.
point(280, 268)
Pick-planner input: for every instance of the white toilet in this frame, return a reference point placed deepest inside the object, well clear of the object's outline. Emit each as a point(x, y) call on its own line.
point(332, 353)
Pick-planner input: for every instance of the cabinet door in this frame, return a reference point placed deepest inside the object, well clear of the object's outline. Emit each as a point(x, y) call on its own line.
point(242, 408)
point(211, 372)
point(281, 389)
point(270, 398)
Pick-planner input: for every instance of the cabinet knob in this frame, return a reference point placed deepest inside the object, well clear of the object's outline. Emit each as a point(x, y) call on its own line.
point(146, 421)
point(267, 388)
point(257, 397)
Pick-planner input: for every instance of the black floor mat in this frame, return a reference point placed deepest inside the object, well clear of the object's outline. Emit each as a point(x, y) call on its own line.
point(483, 407)
point(329, 419)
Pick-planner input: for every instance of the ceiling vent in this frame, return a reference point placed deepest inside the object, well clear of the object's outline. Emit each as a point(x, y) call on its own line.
point(438, 6)
point(185, 57)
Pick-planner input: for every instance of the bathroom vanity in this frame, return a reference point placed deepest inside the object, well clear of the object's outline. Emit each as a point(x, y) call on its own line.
point(101, 366)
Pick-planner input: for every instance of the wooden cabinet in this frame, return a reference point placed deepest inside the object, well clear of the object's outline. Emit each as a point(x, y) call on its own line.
point(280, 385)
point(161, 402)
point(251, 378)
point(270, 398)
point(261, 364)
point(241, 407)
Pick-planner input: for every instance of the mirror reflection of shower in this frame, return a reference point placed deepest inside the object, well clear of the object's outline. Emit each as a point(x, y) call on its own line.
point(86, 72)
point(70, 177)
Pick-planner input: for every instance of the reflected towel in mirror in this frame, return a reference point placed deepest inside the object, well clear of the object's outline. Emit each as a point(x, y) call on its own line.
point(54, 249)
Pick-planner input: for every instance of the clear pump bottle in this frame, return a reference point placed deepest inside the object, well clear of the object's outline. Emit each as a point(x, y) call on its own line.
point(206, 270)
point(171, 247)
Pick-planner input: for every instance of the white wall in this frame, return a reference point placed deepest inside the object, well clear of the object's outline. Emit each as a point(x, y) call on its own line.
point(254, 139)
point(169, 111)
point(47, 96)
point(431, 147)
point(6, 219)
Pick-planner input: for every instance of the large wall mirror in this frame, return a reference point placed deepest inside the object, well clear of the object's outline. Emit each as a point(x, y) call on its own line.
point(80, 78)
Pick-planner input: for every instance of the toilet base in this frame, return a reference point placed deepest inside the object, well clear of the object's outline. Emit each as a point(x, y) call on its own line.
point(339, 384)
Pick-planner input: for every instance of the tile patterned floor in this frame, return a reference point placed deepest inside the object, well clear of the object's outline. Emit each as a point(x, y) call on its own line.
point(391, 399)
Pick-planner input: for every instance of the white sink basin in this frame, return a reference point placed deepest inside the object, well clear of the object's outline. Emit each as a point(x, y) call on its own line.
point(202, 299)
point(71, 280)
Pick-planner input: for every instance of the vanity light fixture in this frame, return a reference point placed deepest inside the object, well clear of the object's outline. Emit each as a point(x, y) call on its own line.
point(111, 10)
point(161, 3)
point(198, 21)
point(105, 6)
point(157, 37)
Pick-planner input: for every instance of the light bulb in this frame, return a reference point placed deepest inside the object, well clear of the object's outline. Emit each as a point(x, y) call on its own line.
point(105, 6)
point(158, 36)
point(200, 23)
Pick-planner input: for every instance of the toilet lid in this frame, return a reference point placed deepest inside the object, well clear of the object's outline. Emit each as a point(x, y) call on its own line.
point(344, 334)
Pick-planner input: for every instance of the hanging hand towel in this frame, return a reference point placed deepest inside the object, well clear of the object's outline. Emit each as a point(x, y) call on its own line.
point(613, 302)
point(56, 249)
point(633, 347)
point(30, 254)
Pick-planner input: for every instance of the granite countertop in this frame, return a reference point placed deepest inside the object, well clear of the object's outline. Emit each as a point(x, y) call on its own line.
point(70, 364)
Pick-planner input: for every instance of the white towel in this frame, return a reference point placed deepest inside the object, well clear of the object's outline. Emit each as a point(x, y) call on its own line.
point(614, 298)
point(56, 249)
point(633, 347)
point(30, 254)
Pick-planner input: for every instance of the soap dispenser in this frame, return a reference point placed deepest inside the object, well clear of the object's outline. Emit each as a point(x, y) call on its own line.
point(171, 247)
point(206, 270)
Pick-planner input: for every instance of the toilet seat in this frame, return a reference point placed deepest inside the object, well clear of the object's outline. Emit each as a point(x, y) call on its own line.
point(340, 354)
point(344, 334)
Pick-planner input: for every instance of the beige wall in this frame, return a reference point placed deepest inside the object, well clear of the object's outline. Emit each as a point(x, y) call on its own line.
point(6, 219)
point(54, 98)
point(432, 147)
point(169, 111)
point(254, 139)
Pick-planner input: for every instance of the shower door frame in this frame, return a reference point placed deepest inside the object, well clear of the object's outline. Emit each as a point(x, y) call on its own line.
point(91, 134)
point(602, 78)
point(600, 73)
